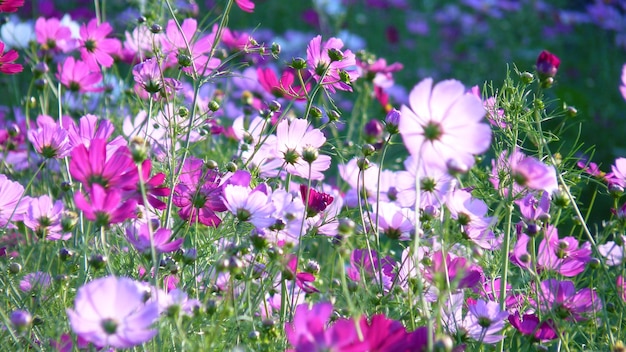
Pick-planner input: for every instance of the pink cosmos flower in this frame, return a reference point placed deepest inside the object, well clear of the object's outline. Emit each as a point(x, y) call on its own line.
point(443, 124)
point(95, 47)
point(394, 222)
point(77, 76)
point(245, 5)
point(44, 217)
point(460, 272)
point(621, 287)
point(10, 6)
point(139, 236)
point(199, 194)
point(252, 206)
point(153, 186)
point(613, 251)
point(50, 140)
point(326, 62)
point(53, 36)
point(91, 166)
point(304, 280)
point(471, 214)
point(386, 335)
point(285, 87)
point(435, 184)
point(564, 255)
point(13, 204)
point(295, 139)
point(365, 266)
point(309, 331)
point(317, 201)
point(186, 49)
point(524, 172)
point(562, 299)
point(110, 311)
point(7, 59)
point(105, 207)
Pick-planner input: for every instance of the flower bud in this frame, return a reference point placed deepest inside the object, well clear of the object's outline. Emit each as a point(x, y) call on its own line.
point(392, 120)
point(363, 164)
point(333, 115)
point(156, 28)
point(65, 254)
point(211, 164)
point(547, 65)
point(310, 154)
point(68, 220)
point(373, 131)
point(274, 106)
point(571, 111)
point(298, 63)
point(21, 320)
point(97, 261)
point(15, 268)
point(527, 77)
point(315, 112)
point(312, 267)
point(183, 60)
point(368, 149)
point(335, 55)
point(275, 49)
point(231, 167)
point(141, 19)
point(346, 226)
point(138, 149)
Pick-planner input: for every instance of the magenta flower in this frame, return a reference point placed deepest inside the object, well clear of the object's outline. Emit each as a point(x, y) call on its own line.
point(77, 76)
point(547, 64)
point(562, 299)
point(53, 36)
point(534, 210)
point(303, 280)
point(139, 236)
point(530, 325)
point(317, 201)
point(309, 331)
point(443, 124)
point(251, 206)
point(326, 62)
point(245, 5)
point(364, 265)
point(110, 311)
point(95, 47)
point(7, 59)
point(564, 255)
point(10, 6)
point(153, 186)
point(105, 207)
point(12, 203)
point(92, 166)
point(44, 217)
point(199, 194)
point(459, 272)
point(50, 140)
point(386, 335)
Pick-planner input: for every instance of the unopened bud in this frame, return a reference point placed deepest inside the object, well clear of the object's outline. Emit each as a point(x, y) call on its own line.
point(156, 28)
point(214, 105)
point(527, 77)
point(335, 54)
point(298, 63)
point(392, 120)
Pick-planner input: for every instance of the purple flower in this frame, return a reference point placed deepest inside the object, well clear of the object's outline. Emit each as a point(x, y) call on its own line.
point(459, 272)
point(139, 237)
point(309, 331)
point(561, 298)
point(199, 194)
point(111, 311)
point(37, 281)
point(485, 321)
point(564, 255)
point(443, 124)
point(524, 172)
point(50, 140)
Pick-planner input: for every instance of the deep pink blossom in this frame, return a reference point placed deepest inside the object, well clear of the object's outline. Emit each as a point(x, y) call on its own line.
point(53, 36)
point(562, 299)
point(443, 124)
point(547, 64)
point(77, 76)
point(387, 335)
point(105, 207)
point(563, 255)
point(199, 194)
point(10, 6)
point(7, 64)
point(153, 186)
point(112, 312)
point(44, 217)
point(92, 166)
point(459, 271)
point(95, 47)
point(50, 140)
point(245, 5)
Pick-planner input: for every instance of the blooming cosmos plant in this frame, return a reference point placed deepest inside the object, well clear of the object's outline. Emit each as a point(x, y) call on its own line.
point(443, 124)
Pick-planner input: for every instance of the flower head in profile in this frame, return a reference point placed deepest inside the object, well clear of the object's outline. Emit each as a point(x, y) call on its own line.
point(7, 61)
point(529, 324)
point(139, 236)
point(524, 172)
point(561, 298)
point(443, 124)
point(329, 65)
point(110, 311)
point(199, 194)
point(245, 5)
